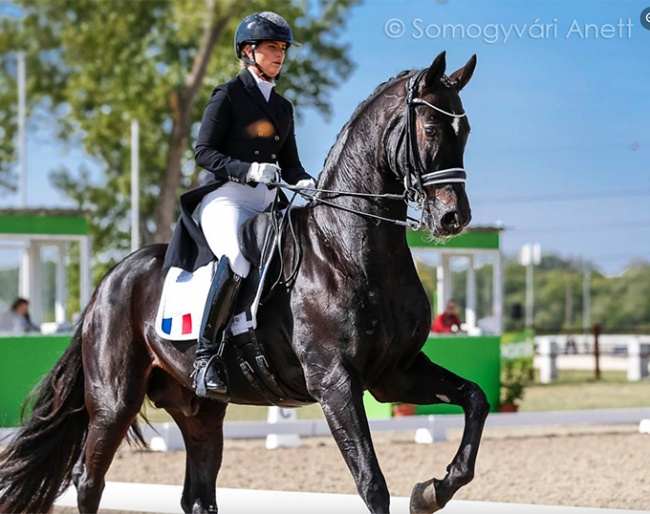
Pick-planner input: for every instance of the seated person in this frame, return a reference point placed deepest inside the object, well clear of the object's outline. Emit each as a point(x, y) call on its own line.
point(16, 320)
point(447, 322)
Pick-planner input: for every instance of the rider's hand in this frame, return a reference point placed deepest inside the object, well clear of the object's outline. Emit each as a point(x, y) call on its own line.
point(307, 186)
point(307, 183)
point(263, 172)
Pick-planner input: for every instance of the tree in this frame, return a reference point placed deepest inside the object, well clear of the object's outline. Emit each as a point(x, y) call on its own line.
point(552, 310)
point(514, 290)
point(622, 303)
point(93, 66)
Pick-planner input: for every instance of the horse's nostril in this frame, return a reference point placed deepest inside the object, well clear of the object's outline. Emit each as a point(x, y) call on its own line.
point(450, 220)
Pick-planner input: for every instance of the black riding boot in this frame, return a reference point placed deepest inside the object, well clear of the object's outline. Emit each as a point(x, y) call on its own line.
point(210, 376)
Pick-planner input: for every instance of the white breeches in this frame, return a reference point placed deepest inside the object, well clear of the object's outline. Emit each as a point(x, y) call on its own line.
point(222, 213)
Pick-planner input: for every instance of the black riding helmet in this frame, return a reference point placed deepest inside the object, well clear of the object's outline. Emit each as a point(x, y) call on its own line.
point(262, 26)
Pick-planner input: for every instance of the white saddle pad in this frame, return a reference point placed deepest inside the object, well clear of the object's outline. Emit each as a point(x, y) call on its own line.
point(182, 302)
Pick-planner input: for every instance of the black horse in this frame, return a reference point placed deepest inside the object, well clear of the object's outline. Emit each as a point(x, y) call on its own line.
point(354, 318)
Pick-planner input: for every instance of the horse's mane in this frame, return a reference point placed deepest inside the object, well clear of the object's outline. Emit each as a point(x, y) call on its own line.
point(358, 112)
point(379, 90)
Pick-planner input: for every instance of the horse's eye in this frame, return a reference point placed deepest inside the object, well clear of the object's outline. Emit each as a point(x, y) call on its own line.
point(429, 130)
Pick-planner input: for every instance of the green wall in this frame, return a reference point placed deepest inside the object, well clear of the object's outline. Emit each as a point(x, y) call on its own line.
point(469, 239)
point(477, 358)
point(44, 223)
point(24, 360)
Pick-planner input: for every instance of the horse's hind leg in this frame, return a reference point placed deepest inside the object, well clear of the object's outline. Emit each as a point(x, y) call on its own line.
point(424, 382)
point(79, 467)
point(115, 394)
point(203, 436)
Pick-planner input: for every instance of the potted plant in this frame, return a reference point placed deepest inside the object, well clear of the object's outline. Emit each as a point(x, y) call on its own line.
point(514, 379)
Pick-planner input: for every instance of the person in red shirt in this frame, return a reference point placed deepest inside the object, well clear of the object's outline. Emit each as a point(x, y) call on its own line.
point(447, 322)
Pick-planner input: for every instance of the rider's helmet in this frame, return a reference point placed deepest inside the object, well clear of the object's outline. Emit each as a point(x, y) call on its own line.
point(262, 26)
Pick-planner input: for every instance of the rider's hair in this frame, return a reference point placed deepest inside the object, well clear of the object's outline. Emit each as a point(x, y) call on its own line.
point(242, 64)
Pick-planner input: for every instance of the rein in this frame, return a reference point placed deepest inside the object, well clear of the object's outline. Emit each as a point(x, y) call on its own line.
point(309, 194)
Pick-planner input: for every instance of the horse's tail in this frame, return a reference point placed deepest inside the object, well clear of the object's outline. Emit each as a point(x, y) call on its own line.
point(37, 464)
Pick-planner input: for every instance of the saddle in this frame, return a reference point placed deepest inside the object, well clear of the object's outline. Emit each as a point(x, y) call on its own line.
point(258, 237)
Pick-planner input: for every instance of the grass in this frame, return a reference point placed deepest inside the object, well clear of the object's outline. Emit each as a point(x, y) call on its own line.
point(578, 390)
point(238, 413)
point(574, 390)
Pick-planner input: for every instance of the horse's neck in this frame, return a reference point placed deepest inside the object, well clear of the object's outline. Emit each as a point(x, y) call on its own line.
point(357, 164)
point(362, 235)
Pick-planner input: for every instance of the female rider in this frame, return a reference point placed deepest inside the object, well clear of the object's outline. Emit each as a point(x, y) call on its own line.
point(246, 141)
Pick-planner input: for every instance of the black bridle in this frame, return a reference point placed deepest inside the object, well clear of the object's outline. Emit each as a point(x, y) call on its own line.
point(414, 180)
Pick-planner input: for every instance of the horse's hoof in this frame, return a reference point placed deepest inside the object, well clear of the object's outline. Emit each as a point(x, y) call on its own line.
point(423, 498)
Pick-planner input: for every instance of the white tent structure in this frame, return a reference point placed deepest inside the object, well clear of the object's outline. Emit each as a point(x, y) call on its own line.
point(31, 231)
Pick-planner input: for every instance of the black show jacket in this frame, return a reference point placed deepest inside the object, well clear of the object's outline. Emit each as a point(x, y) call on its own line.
point(239, 127)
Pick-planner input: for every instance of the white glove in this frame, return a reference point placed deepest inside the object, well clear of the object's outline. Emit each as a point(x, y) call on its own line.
point(307, 183)
point(263, 172)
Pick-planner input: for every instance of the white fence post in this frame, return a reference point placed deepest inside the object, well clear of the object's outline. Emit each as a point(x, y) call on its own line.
point(547, 360)
point(274, 441)
point(637, 359)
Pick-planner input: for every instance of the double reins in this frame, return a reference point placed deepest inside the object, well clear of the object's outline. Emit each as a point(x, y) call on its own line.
point(310, 194)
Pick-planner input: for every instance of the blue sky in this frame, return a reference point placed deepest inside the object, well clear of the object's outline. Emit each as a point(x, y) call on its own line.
point(556, 113)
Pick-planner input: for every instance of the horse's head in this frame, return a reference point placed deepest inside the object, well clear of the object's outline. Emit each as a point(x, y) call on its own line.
point(437, 131)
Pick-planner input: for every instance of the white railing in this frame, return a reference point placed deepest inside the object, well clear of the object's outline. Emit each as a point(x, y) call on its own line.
point(634, 348)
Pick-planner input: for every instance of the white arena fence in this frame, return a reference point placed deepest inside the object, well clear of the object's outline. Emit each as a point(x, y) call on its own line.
point(427, 428)
point(166, 499)
point(630, 353)
point(609, 344)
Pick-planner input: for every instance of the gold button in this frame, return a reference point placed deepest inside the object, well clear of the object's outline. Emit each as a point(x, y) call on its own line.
point(256, 152)
point(277, 138)
point(273, 156)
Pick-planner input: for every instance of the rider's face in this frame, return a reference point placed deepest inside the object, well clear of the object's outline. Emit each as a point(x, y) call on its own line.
point(269, 56)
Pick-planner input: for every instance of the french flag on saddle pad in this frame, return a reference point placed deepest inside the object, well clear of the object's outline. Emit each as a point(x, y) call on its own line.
point(170, 325)
point(182, 303)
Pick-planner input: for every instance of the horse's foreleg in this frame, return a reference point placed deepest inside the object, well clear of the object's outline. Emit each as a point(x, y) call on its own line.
point(203, 436)
point(341, 398)
point(424, 382)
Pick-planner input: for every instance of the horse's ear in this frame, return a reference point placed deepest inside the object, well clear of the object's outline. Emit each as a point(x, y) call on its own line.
point(461, 77)
point(436, 71)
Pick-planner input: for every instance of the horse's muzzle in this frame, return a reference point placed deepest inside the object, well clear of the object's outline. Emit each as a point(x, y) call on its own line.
point(450, 211)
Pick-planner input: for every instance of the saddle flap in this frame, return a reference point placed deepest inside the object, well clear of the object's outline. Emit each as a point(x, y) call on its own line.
point(254, 237)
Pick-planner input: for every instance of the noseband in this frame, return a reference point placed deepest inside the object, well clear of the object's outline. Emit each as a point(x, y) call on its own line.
point(414, 180)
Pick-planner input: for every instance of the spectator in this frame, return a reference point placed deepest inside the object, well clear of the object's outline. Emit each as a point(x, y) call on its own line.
point(16, 320)
point(447, 322)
